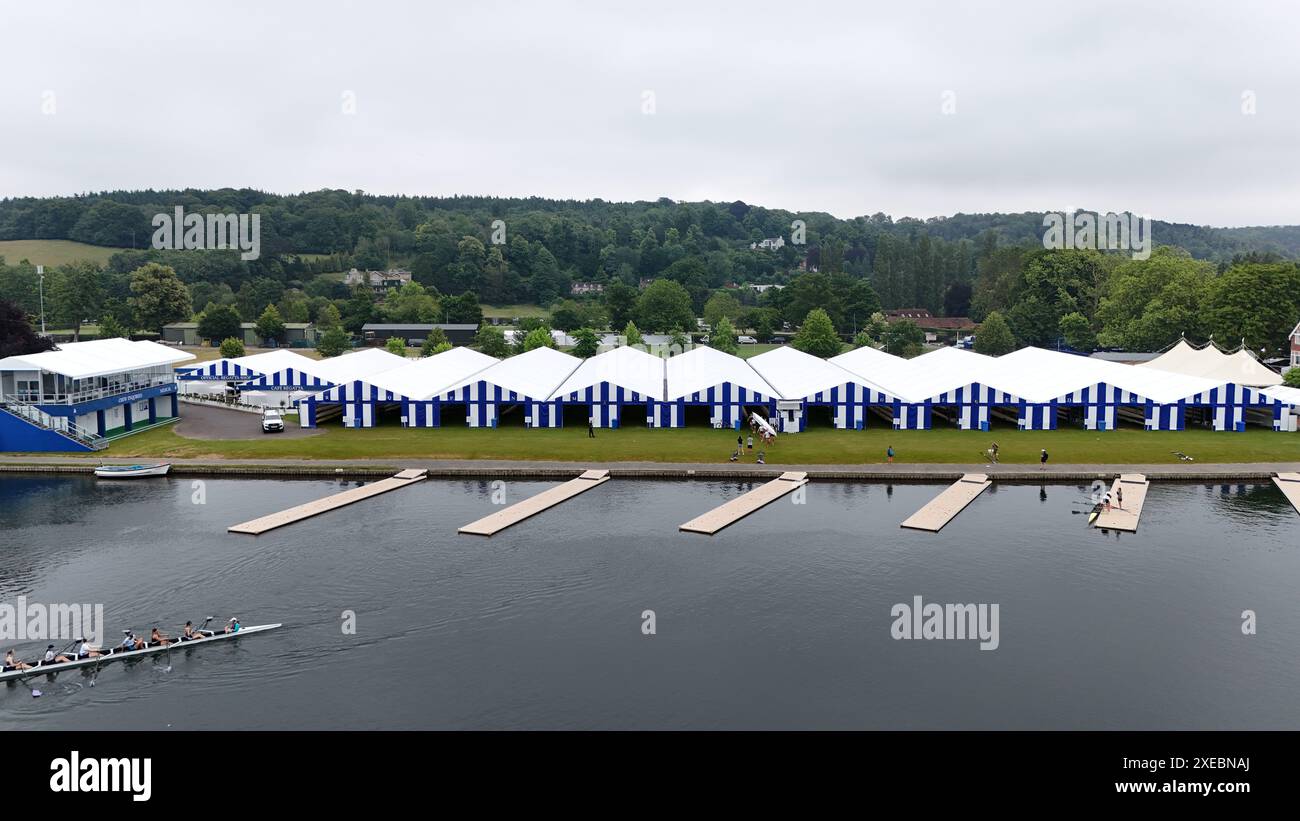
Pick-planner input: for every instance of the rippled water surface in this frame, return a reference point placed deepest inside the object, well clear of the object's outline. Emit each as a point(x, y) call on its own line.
point(780, 621)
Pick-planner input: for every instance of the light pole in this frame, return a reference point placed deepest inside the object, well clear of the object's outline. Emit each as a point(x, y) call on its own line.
point(40, 272)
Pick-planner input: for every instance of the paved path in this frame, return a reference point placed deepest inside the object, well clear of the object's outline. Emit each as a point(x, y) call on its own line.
point(214, 422)
point(1262, 471)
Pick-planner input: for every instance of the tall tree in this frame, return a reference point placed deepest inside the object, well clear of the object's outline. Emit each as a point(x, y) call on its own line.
point(664, 305)
point(77, 294)
point(723, 337)
point(17, 337)
point(158, 297)
point(993, 337)
point(817, 335)
point(219, 322)
point(270, 325)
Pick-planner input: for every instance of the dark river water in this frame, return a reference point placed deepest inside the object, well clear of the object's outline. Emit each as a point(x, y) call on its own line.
point(781, 621)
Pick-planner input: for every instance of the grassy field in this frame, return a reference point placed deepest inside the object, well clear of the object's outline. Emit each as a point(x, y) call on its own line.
point(510, 311)
point(815, 446)
point(53, 251)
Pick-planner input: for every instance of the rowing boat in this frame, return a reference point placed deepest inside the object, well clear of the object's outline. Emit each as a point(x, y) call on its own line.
point(131, 471)
point(119, 655)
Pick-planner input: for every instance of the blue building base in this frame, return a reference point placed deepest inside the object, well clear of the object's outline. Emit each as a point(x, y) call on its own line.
point(20, 436)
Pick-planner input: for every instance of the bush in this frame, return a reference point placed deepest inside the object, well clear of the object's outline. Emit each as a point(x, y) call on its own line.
point(232, 347)
point(334, 342)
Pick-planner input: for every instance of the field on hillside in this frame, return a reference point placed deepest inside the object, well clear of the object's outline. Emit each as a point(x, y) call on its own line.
point(53, 251)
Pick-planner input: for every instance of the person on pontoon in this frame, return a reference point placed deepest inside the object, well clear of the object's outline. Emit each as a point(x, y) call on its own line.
point(52, 657)
point(157, 639)
point(233, 627)
point(12, 663)
point(83, 650)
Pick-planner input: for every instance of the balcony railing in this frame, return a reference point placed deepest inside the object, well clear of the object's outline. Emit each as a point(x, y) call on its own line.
point(90, 394)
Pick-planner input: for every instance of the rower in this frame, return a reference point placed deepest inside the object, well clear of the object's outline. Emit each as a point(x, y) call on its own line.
point(189, 633)
point(130, 642)
point(233, 627)
point(12, 663)
point(52, 657)
point(157, 639)
point(83, 650)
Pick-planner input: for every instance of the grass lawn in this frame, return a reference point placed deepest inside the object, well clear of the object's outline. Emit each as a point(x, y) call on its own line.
point(53, 251)
point(510, 311)
point(746, 351)
point(816, 446)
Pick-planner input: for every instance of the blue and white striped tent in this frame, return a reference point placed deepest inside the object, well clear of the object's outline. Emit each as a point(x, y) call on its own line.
point(607, 383)
point(526, 380)
point(959, 382)
point(706, 377)
point(293, 378)
point(362, 382)
point(244, 368)
point(816, 382)
point(1051, 381)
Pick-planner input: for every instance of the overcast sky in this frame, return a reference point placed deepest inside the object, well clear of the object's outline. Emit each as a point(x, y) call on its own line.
point(836, 106)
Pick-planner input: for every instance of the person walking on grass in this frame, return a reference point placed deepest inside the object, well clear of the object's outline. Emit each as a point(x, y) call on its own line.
point(1042, 460)
point(749, 445)
point(889, 454)
point(740, 443)
point(591, 428)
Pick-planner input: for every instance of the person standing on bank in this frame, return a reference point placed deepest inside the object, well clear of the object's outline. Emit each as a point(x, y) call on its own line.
point(1042, 460)
point(889, 454)
point(591, 428)
point(749, 444)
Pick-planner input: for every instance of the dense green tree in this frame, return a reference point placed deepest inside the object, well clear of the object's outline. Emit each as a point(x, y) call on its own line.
point(333, 342)
point(723, 337)
point(1077, 332)
point(664, 305)
point(994, 337)
point(74, 294)
point(588, 343)
point(1292, 377)
point(632, 335)
point(158, 297)
point(395, 345)
point(462, 309)
point(817, 335)
point(491, 340)
point(566, 315)
point(110, 327)
point(1151, 303)
point(719, 306)
point(219, 322)
point(412, 304)
point(232, 347)
point(1256, 304)
point(620, 301)
point(328, 317)
point(270, 325)
point(903, 338)
point(538, 338)
point(433, 342)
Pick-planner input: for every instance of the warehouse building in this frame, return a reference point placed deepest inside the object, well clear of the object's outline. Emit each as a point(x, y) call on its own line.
point(82, 394)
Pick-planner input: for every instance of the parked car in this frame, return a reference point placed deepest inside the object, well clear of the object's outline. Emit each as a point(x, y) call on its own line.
point(747, 340)
point(272, 421)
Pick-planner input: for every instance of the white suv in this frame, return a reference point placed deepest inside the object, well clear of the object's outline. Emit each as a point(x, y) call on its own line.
point(272, 422)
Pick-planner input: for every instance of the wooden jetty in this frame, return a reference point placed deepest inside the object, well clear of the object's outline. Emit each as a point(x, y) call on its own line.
point(943, 508)
point(533, 505)
point(1289, 484)
point(319, 506)
point(740, 507)
point(1135, 495)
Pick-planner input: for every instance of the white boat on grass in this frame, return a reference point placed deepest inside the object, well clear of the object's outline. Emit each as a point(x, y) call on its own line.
point(131, 471)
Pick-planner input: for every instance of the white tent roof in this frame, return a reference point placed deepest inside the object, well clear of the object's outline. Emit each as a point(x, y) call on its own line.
point(1291, 396)
point(535, 374)
point(1038, 375)
point(798, 375)
point(701, 368)
point(425, 378)
point(893, 374)
point(626, 367)
point(362, 364)
point(1211, 363)
point(100, 357)
point(260, 363)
